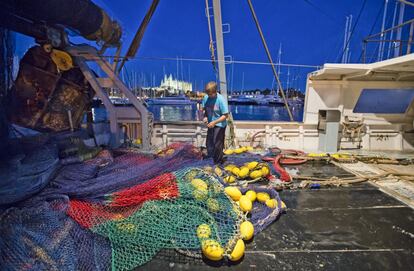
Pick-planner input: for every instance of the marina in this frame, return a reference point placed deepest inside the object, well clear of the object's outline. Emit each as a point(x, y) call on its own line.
point(113, 160)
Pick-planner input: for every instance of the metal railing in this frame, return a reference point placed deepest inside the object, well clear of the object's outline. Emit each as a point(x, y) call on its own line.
point(396, 47)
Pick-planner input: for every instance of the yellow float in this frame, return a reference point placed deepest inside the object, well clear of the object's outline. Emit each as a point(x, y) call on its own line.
point(246, 230)
point(265, 171)
point(213, 205)
point(212, 249)
point(256, 174)
point(229, 167)
point(244, 172)
point(251, 195)
point(252, 165)
point(235, 171)
point(238, 251)
point(199, 184)
point(229, 179)
point(200, 194)
point(203, 231)
point(262, 197)
point(228, 152)
point(245, 204)
point(233, 192)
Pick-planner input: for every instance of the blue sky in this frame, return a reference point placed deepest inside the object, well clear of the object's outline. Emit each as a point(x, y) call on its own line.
point(311, 32)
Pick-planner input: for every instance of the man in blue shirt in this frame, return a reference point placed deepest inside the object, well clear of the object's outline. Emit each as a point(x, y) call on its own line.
point(216, 113)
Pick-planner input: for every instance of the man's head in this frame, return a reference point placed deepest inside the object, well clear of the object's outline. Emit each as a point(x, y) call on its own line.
point(211, 89)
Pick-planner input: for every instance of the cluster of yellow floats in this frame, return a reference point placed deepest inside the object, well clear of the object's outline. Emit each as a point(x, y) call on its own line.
point(246, 201)
point(238, 150)
point(211, 248)
point(253, 170)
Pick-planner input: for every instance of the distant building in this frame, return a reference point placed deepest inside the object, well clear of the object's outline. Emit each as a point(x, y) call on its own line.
point(175, 86)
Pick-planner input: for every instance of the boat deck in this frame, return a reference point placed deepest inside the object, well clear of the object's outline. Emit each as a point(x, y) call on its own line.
point(343, 228)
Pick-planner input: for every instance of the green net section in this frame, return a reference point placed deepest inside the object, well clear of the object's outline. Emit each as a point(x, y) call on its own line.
point(172, 223)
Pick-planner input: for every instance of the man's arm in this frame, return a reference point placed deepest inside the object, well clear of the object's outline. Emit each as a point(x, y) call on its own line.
point(203, 109)
point(221, 119)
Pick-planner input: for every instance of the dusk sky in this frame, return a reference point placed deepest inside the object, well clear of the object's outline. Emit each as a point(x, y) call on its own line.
point(311, 32)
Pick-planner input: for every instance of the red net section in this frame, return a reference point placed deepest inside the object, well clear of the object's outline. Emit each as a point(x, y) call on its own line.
point(123, 203)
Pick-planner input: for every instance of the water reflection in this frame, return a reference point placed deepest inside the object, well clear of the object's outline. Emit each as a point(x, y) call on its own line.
point(239, 112)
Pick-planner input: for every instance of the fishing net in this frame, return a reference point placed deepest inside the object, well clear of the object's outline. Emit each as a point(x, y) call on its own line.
point(163, 213)
point(43, 237)
point(27, 172)
point(100, 176)
point(120, 209)
point(7, 46)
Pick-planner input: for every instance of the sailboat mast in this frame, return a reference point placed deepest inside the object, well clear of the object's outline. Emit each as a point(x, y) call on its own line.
point(345, 40)
point(392, 43)
point(218, 26)
point(381, 46)
point(399, 30)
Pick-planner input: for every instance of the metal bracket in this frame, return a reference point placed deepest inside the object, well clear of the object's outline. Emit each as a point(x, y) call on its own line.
point(230, 57)
point(206, 13)
point(225, 31)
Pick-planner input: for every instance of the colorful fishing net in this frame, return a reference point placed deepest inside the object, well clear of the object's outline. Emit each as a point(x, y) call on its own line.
point(119, 211)
point(161, 213)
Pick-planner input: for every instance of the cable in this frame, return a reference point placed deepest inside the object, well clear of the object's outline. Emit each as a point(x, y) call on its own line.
point(226, 61)
point(136, 42)
point(407, 2)
point(321, 11)
point(353, 29)
point(259, 29)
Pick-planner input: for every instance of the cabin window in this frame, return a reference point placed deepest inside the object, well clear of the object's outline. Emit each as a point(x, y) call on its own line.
point(384, 101)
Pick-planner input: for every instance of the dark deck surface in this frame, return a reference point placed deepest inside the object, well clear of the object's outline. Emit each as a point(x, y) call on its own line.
point(348, 228)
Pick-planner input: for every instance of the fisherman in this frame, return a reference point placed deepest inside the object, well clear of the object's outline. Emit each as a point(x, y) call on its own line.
point(216, 113)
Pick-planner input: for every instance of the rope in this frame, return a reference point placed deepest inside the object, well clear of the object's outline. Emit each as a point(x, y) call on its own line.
point(210, 32)
point(335, 181)
point(136, 42)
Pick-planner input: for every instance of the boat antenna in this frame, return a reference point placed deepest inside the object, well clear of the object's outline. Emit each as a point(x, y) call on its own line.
point(270, 59)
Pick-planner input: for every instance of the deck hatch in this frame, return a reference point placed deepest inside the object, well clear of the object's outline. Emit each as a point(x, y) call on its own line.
point(384, 101)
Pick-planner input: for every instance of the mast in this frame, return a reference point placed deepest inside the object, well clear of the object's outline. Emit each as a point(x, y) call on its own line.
point(176, 79)
point(381, 47)
point(218, 26)
point(242, 89)
point(345, 40)
point(392, 43)
point(279, 60)
point(399, 30)
point(348, 39)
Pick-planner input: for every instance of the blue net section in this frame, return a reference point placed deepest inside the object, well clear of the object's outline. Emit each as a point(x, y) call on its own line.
point(45, 238)
point(27, 173)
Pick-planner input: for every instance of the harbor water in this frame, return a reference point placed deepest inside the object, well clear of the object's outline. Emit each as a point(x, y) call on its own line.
point(239, 112)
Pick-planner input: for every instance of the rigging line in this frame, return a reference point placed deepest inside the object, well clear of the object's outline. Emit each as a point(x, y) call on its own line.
point(226, 61)
point(321, 11)
point(259, 29)
point(210, 32)
point(373, 27)
point(407, 2)
point(353, 30)
point(136, 42)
